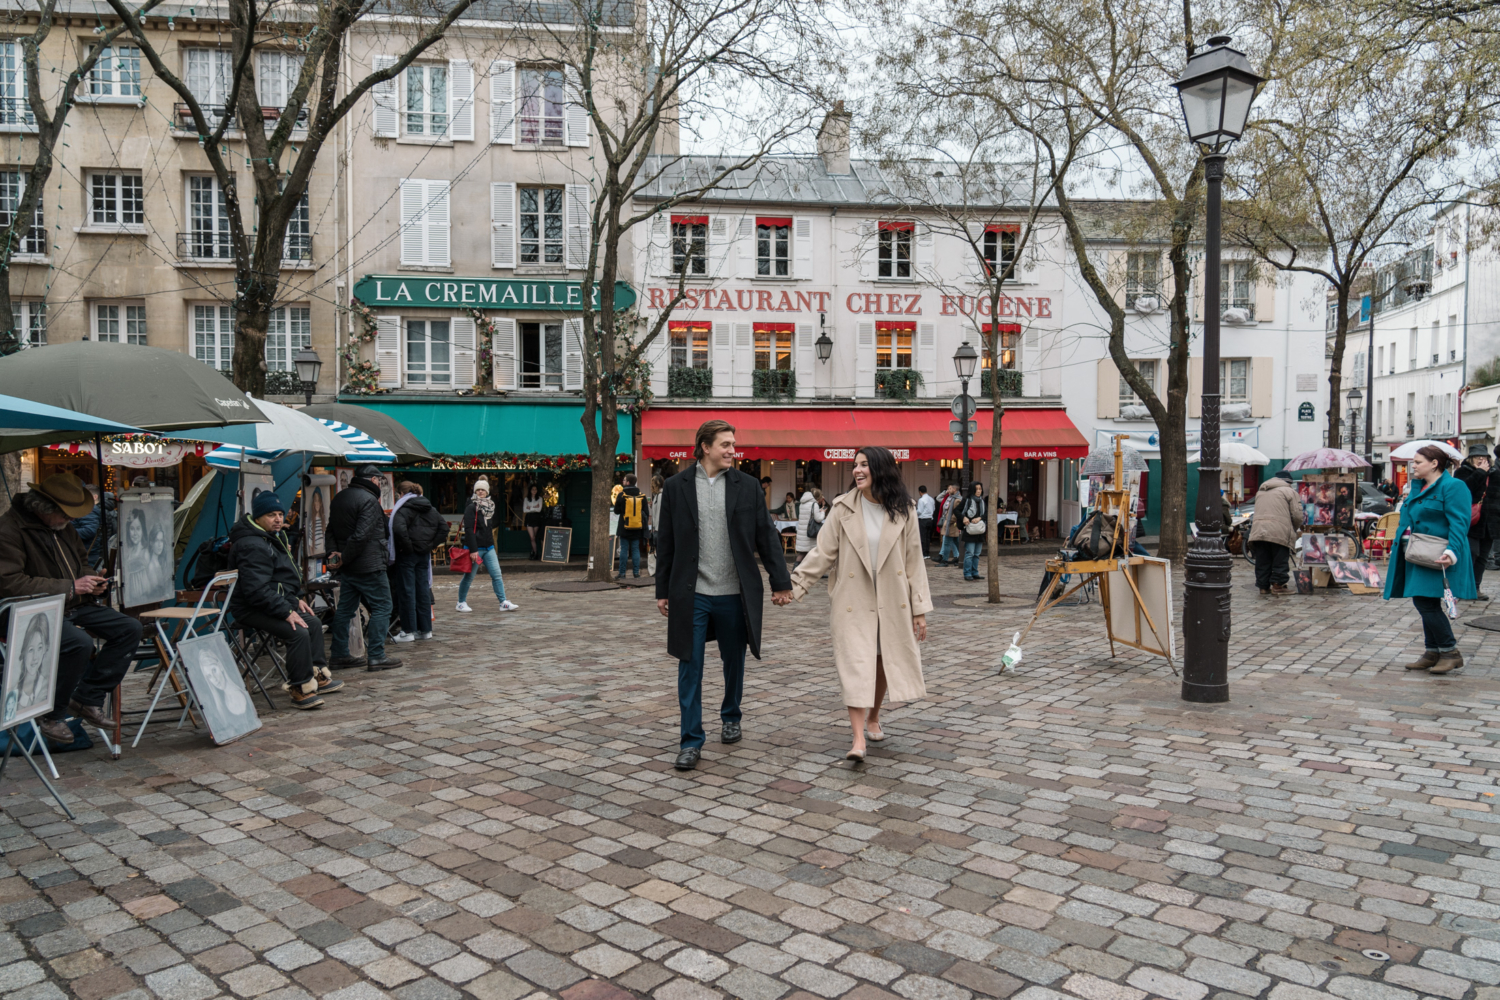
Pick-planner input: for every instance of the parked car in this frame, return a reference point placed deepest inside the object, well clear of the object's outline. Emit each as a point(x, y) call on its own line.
point(1372, 501)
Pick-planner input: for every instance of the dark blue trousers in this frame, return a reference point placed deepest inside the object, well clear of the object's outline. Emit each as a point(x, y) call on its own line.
point(727, 613)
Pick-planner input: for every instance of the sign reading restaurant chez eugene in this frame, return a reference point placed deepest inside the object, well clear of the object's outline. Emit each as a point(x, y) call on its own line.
point(765, 300)
point(422, 292)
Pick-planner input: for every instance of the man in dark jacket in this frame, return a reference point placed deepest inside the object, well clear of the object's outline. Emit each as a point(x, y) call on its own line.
point(416, 528)
point(713, 522)
point(268, 598)
point(88, 525)
point(356, 532)
point(635, 518)
point(40, 553)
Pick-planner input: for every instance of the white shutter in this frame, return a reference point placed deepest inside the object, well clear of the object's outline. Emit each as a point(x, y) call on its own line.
point(923, 251)
point(744, 359)
point(388, 350)
point(413, 221)
point(503, 350)
point(658, 248)
point(436, 217)
point(461, 99)
point(503, 225)
point(802, 248)
point(747, 246)
point(864, 361)
point(805, 360)
point(576, 199)
point(575, 112)
point(384, 93)
point(572, 354)
point(927, 357)
point(867, 252)
point(461, 331)
point(721, 360)
point(502, 101)
point(718, 246)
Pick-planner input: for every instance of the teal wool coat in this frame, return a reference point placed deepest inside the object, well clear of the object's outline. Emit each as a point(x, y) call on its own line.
point(1440, 509)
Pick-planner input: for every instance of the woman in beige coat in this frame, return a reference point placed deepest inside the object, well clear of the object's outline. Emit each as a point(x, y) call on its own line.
point(871, 549)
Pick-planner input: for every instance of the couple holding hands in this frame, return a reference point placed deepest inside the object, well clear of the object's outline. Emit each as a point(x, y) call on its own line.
point(713, 523)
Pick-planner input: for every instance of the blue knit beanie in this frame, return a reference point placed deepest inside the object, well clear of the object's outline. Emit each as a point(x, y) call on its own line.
point(265, 502)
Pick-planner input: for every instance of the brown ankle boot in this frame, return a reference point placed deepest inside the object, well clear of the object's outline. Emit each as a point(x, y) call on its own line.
point(1280, 589)
point(1447, 662)
point(1425, 661)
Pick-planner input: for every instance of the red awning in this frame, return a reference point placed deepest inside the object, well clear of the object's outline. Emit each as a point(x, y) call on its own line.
point(915, 434)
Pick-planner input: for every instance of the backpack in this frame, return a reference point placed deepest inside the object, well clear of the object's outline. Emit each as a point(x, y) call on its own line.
point(1093, 537)
point(212, 557)
point(632, 518)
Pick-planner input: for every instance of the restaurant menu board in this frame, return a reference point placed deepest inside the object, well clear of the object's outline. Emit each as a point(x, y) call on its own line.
point(556, 544)
point(1327, 501)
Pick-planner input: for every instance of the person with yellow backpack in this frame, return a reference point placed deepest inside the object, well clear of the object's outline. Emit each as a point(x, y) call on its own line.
point(635, 519)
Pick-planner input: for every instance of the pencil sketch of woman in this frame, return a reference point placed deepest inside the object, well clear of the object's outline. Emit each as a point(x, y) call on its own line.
point(162, 576)
point(31, 683)
point(316, 519)
point(228, 698)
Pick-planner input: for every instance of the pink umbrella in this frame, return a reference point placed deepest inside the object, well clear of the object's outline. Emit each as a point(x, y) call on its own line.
point(1326, 458)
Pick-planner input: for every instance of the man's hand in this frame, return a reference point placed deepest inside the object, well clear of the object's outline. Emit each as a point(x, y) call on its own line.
point(919, 627)
point(661, 605)
point(295, 619)
point(781, 598)
point(89, 584)
point(304, 607)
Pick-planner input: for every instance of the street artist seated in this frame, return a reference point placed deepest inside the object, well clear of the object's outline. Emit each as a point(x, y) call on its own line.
point(41, 553)
point(268, 597)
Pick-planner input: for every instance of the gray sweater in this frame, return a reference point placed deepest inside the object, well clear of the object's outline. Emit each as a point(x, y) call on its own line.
point(716, 572)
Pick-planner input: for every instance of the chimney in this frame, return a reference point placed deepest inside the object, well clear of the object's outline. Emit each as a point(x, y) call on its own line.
point(833, 140)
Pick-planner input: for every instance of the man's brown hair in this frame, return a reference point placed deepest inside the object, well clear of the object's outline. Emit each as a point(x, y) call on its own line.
point(709, 430)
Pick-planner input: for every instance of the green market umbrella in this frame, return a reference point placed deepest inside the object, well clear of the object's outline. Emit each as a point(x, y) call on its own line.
point(379, 426)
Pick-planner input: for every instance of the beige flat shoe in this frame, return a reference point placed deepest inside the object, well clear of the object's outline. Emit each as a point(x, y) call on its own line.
point(876, 737)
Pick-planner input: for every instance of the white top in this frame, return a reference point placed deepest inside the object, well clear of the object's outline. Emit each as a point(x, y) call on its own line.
point(874, 522)
point(926, 506)
point(531, 506)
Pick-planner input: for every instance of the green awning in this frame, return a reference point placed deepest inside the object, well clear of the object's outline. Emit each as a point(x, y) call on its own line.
point(484, 426)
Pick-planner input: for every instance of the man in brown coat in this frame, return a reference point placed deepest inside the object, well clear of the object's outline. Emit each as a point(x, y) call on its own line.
point(40, 554)
point(1278, 515)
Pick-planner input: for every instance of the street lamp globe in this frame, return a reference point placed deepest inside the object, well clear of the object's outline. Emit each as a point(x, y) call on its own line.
point(965, 359)
point(1216, 89)
point(1355, 398)
point(824, 346)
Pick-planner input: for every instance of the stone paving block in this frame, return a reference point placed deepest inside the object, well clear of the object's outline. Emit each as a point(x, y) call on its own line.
point(181, 982)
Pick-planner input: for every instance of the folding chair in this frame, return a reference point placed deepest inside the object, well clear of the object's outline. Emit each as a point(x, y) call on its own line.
point(248, 645)
point(188, 619)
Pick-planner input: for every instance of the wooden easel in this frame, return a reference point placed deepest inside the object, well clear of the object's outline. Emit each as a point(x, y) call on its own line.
point(1120, 502)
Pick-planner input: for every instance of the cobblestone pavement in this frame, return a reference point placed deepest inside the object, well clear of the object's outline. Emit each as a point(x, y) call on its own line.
point(501, 820)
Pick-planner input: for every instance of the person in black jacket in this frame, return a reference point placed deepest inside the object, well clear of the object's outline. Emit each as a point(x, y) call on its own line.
point(713, 522)
point(268, 598)
point(1476, 474)
point(633, 527)
point(480, 519)
point(356, 540)
point(416, 529)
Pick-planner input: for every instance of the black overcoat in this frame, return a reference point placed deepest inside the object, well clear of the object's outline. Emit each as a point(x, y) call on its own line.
point(750, 531)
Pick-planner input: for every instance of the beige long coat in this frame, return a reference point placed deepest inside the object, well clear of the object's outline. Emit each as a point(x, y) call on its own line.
point(867, 603)
point(1278, 513)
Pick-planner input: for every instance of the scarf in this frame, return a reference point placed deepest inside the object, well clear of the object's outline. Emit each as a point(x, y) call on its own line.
point(390, 534)
point(485, 504)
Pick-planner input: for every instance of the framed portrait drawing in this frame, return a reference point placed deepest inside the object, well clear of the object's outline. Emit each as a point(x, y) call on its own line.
point(32, 638)
point(218, 687)
point(147, 570)
point(316, 497)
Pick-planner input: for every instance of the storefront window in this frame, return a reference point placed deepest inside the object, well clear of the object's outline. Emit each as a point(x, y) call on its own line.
point(541, 225)
point(893, 344)
point(689, 345)
point(427, 353)
point(773, 346)
point(773, 247)
point(541, 356)
point(690, 244)
point(1000, 246)
point(893, 253)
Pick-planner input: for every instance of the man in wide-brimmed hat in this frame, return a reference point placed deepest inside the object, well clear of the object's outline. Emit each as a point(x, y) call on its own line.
point(41, 553)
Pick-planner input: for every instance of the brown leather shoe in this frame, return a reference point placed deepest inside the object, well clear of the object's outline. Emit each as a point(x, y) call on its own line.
point(92, 714)
point(1280, 590)
point(1425, 661)
point(1447, 662)
point(57, 731)
point(1265, 591)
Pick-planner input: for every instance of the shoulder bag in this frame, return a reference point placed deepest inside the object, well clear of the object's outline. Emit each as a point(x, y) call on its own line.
point(459, 559)
point(976, 526)
point(1425, 550)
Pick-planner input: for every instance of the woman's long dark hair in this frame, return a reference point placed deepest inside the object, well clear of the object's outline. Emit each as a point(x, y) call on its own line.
point(885, 481)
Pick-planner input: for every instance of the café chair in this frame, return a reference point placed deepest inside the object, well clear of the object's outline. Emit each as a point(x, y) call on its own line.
point(175, 624)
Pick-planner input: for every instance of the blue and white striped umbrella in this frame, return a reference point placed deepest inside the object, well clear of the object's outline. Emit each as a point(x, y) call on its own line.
point(362, 447)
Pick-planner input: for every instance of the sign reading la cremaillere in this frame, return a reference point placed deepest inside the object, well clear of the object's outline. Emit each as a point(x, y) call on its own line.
point(423, 292)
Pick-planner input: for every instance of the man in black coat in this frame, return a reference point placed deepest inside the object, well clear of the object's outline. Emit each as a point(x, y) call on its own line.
point(713, 522)
point(268, 598)
point(357, 533)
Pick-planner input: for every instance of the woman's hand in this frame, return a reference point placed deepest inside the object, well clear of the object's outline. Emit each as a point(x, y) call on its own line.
point(919, 627)
point(1445, 560)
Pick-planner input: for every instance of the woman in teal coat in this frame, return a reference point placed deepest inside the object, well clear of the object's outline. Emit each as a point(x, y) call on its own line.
point(1436, 504)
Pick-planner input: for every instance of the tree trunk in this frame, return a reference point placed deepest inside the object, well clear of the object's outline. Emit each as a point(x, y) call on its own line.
point(10, 467)
point(1336, 366)
point(11, 341)
point(603, 446)
point(250, 326)
point(997, 413)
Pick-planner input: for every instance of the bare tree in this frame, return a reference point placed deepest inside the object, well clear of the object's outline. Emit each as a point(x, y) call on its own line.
point(280, 158)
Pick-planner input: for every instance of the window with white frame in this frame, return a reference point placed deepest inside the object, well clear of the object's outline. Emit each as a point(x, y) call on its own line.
point(30, 319)
point(298, 243)
point(1141, 276)
point(541, 355)
point(893, 342)
point(690, 244)
point(689, 345)
point(541, 104)
point(276, 76)
point(12, 186)
point(542, 238)
point(893, 251)
point(429, 353)
point(1000, 246)
point(773, 346)
point(116, 73)
point(1147, 368)
point(119, 323)
point(209, 73)
point(427, 99)
point(1236, 287)
point(1379, 415)
point(289, 331)
point(116, 200)
point(213, 336)
point(1234, 380)
point(14, 108)
point(773, 247)
point(208, 219)
point(424, 223)
point(1453, 337)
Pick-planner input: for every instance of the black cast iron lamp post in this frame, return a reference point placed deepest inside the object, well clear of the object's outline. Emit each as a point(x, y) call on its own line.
point(964, 361)
point(1216, 89)
point(1355, 398)
point(308, 366)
